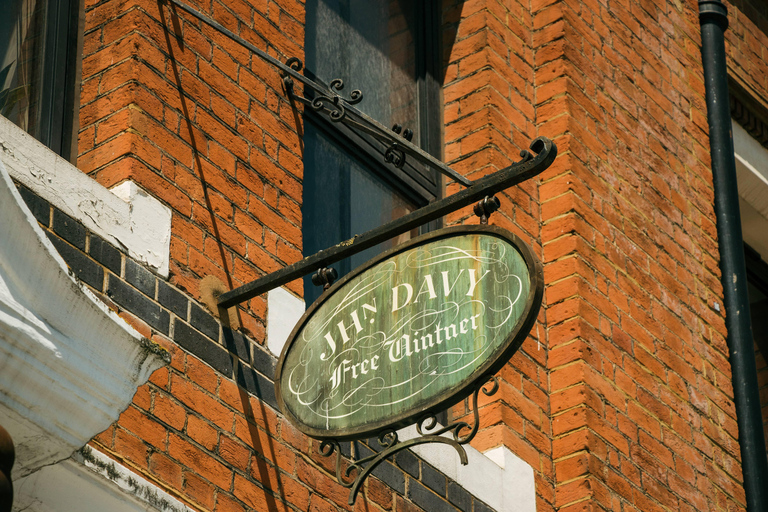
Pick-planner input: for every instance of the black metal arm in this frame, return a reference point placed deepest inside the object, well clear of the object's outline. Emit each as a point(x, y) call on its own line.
point(327, 100)
point(527, 168)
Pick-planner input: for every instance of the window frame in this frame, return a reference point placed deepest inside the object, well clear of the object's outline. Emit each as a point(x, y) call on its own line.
point(423, 185)
point(62, 76)
point(57, 92)
point(414, 182)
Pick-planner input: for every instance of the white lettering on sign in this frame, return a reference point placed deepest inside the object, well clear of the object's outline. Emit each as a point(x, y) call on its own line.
point(367, 308)
point(427, 288)
point(405, 346)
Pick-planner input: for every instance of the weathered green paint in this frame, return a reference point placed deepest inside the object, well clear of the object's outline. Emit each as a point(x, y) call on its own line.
point(409, 331)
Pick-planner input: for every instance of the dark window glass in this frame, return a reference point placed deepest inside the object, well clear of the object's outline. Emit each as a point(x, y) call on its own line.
point(371, 45)
point(39, 79)
point(383, 48)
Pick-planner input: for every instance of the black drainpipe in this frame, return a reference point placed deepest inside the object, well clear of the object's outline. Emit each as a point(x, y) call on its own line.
point(713, 17)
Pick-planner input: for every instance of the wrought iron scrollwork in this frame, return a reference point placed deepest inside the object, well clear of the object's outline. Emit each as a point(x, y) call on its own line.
point(459, 433)
point(321, 99)
point(295, 64)
point(394, 154)
point(325, 99)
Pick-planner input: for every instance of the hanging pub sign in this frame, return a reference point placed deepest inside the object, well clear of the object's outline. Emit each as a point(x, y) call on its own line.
point(410, 332)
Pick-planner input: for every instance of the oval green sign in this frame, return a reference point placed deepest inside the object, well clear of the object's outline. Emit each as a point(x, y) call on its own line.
point(409, 332)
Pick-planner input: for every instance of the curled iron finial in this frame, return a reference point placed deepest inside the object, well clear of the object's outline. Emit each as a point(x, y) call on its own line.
point(387, 438)
point(324, 277)
point(355, 97)
point(337, 84)
point(295, 64)
point(485, 207)
point(394, 155)
point(525, 155)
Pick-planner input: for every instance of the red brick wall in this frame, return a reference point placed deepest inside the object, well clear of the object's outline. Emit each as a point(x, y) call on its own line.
point(202, 124)
point(621, 397)
point(636, 403)
point(640, 384)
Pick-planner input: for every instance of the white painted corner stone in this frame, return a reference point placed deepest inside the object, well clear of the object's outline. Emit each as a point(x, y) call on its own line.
point(149, 224)
point(284, 310)
point(107, 485)
point(498, 477)
point(129, 218)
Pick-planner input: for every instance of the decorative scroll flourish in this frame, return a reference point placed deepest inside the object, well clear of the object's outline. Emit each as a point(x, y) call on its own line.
point(325, 100)
point(525, 155)
point(458, 434)
point(394, 155)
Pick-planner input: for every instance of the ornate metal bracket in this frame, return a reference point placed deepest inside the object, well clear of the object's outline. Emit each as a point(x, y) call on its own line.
point(325, 99)
point(353, 476)
point(530, 166)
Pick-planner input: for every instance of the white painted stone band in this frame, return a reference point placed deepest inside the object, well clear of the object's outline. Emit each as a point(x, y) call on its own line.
point(752, 178)
point(129, 218)
point(94, 483)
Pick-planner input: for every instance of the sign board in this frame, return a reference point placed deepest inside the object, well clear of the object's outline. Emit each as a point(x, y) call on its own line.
point(410, 332)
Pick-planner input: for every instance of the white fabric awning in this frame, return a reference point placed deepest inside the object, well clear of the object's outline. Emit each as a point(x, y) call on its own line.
point(68, 365)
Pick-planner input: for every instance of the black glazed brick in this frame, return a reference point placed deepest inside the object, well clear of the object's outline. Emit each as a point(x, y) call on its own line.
point(129, 298)
point(204, 322)
point(263, 362)
point(207, 350)
point(105, 254)
point(459, 497)
point(482, 507)
point(409, 462)
point(362, 450)
point(433, 479)
point(172, 299)
point(391, 476)
point(82, 266)
point(39, 207)
point(256, 385)
point(425, 498)
point(239, 345)
point(140, 277)
point(69, 229)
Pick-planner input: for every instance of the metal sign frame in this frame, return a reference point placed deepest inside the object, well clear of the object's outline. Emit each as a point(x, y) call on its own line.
point(449, 397)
